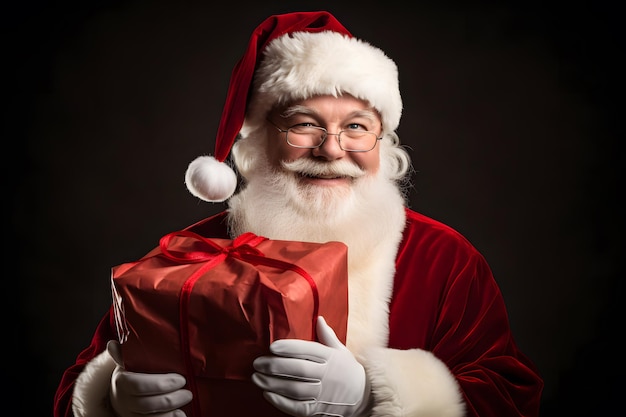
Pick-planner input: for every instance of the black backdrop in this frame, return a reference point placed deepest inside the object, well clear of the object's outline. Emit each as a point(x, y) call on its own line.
point(510, 110)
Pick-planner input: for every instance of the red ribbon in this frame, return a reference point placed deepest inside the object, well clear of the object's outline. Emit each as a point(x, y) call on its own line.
point(243, 248)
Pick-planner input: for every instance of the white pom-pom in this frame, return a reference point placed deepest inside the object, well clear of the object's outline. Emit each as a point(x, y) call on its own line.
point(210, 180)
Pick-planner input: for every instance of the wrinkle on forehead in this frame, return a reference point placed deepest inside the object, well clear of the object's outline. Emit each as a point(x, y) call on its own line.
point(370, 114)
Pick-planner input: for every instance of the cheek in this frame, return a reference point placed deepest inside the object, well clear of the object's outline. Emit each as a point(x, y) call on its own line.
point(284, 152)
point(369, 161)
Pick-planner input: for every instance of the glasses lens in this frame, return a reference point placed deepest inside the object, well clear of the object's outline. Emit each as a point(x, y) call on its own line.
point(357, 141)
point(305, 136)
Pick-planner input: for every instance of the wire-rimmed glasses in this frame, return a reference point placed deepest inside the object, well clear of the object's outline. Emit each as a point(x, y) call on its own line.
point(311, 137)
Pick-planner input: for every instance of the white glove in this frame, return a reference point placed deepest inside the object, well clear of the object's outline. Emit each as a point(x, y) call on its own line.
point(136, 394)
point(307, 378)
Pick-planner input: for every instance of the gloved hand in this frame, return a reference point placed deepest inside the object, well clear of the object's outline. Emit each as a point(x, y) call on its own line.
point(307, 378)
point(136, 394)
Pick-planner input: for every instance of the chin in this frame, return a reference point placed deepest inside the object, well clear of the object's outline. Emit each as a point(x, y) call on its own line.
point(322, 201)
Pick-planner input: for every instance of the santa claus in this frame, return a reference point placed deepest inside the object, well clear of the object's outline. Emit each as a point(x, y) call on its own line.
point(310, 122)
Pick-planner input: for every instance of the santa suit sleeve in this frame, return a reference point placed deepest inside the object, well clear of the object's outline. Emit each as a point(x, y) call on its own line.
point(451, 352)
point(84, 386)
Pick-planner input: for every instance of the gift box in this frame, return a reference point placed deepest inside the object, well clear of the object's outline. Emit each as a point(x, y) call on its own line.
point(206, 308)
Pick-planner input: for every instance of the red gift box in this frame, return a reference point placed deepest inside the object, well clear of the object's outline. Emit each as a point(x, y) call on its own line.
point(206, 308)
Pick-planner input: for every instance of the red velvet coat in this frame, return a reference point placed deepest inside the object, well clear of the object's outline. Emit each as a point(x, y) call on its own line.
point(445, 301)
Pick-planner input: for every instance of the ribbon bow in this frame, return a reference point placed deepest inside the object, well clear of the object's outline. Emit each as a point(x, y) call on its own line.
point(240, 247)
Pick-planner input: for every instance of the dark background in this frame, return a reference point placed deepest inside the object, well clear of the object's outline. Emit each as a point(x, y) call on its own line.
point(510, 110)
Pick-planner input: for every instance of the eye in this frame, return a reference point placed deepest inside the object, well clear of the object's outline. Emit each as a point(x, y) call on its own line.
point(356, 126)
point(304, 124)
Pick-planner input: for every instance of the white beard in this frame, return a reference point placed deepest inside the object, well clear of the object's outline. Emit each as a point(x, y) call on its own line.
point(367, 216)
point(273, 204)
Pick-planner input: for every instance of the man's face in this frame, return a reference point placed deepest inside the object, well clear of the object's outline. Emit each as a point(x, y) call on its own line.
point(334, 114)
point(317, 194)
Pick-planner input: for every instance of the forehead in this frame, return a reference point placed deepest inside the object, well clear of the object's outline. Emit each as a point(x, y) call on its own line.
point(322, 105)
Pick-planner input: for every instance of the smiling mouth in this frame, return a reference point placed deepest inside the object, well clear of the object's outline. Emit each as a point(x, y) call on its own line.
point(323, 176)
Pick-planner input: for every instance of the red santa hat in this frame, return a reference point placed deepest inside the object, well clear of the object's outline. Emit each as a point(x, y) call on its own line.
point(290, 57)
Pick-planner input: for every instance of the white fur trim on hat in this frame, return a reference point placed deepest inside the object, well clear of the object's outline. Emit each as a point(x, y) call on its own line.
point(210, 180)
point(301, 65)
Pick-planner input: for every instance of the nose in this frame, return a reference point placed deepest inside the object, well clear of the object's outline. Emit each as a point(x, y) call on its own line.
point(330, 149)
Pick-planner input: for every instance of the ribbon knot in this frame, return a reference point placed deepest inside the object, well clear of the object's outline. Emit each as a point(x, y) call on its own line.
point(207, 249)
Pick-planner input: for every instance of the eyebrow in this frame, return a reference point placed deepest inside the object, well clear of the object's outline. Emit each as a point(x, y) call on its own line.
point(299, 109)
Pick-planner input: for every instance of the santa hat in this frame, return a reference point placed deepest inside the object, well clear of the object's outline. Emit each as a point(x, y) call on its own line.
point(294, 56)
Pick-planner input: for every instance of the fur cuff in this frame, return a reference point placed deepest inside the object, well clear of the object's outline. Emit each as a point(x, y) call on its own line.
point(412, 383)
point(91, 390)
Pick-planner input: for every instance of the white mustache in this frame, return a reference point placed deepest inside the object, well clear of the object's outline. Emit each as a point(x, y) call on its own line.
point(310, 167)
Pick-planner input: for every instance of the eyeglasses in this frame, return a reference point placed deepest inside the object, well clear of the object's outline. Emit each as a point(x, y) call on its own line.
point(311, 137)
